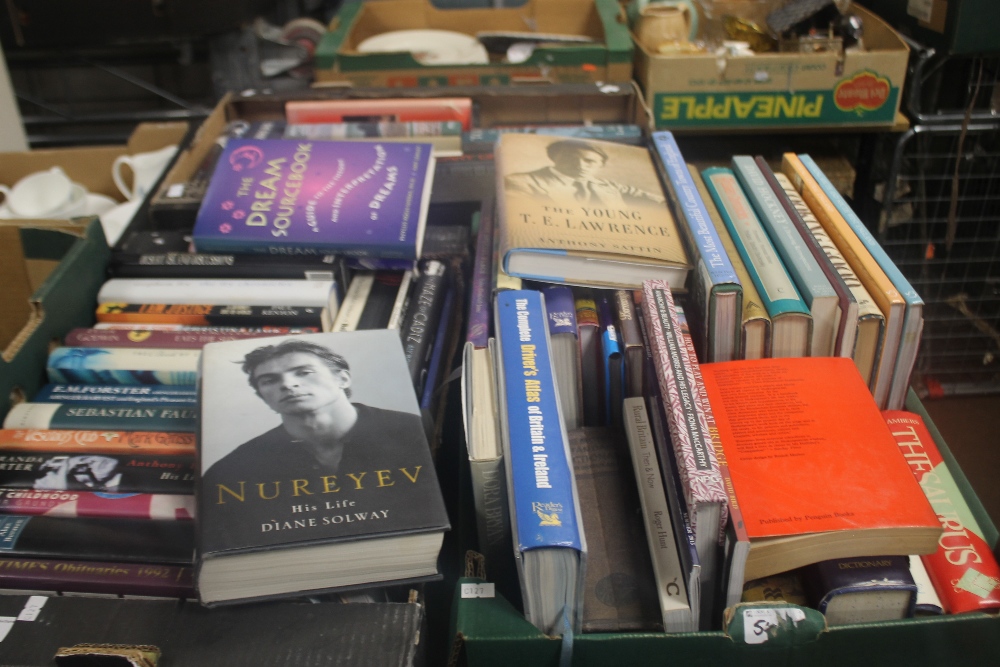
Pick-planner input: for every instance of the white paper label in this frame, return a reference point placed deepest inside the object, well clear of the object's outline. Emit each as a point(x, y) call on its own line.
point(32, 608)
point(756, 622)
point(920, 9)
point(175, 191)
point(486, 590)
point(6, 623)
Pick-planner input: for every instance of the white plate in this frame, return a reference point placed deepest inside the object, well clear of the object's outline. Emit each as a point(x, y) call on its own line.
point(429, 47)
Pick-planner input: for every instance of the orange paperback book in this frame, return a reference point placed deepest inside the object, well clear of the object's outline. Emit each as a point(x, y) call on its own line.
point(814, 467)
point(153, 443)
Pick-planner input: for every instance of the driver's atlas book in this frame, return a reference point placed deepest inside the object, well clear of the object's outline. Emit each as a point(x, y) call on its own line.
point(315, 470)
point(300, 197)
point(584, 212)
point(548, 532)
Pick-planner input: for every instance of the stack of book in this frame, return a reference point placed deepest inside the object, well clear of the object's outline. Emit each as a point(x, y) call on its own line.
point(588, 256)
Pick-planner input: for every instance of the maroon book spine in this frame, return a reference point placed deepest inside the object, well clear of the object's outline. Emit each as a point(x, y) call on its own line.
point(73, 576)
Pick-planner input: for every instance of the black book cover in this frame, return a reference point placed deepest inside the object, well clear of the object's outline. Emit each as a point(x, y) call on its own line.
point(381, 298)
point(125, 540)
point(277, 634)
point(326, 447)
point(105, 472)
point(420, 321)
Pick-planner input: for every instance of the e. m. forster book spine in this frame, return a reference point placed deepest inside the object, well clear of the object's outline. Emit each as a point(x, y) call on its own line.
point(77, 576)
point(111, 416)
point(110, 473)
point(155, 394)
point(154, 443)
point(73, 504)
point(302, 197)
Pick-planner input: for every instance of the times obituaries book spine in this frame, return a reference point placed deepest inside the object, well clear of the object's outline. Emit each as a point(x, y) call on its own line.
point(158, 443)
point(545, 507)
point(93, 504)
point(275, 196)
point(77, 576)
point(704, 490)
point(156, 394)
point(111, 416)
point(963, 569)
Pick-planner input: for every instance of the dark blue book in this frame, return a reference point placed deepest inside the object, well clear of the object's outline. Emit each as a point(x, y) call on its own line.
point(614, 361)
point(549, 543)
point(560, 312)
point(132, 395)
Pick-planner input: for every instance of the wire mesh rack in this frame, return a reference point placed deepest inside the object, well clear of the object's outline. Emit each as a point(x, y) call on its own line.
point(936, 211)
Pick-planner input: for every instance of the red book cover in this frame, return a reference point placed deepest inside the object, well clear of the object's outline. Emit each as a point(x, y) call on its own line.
point(963, 570)
point(110, 578)
point(816, 471)
point(398, 110)
point(73, 504)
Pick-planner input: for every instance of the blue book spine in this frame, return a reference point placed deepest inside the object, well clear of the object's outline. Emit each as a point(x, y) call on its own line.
point(560, 309)
point(614, 369)
point(702, 232)
point(543, 488)
point(799, 261)
point(769, 276)
point(132, 395)
point(437, 352)
point(101, 365)
point(902, 285)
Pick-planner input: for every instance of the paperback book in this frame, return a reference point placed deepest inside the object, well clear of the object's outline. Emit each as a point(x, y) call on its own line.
point(185, 340)
point(313, 198)
point(104, 473)
point(96, 577)
point(154, 443)
point(331, 487)
point(97, 504)
point(100, 416)
point(207, 315)
point(122, 366)
point(109, 393)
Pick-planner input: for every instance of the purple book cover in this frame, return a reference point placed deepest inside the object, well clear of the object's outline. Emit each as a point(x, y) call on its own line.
point(276, 196)
point(478, 331)
point(560, 307)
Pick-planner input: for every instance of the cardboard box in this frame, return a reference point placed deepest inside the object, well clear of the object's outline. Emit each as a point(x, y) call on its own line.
point(608, 59)
point(953, 26)
point(779, 90)
point(172, 206)
point(490, 631)
point(51, 270)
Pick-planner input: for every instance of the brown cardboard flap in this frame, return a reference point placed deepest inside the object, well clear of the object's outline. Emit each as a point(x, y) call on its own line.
point(153, 136)
point(15, 297)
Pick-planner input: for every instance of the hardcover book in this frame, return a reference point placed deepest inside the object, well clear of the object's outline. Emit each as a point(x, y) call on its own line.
point(548, 532)
point(97, 504)
point(109, 393)
point(690, 438)
point(584, 212)
point(182, 340)
point(220, 291)
point(207, 315)
point(865, 340)
point(630, 341)
point(154, 443)
point(612, 361)
point(395, 110)
point(676, 610)
point(620, 593)
point(105, 473)
point(117, 366)
point(913, 321)
point(124, 540)
point(419, 327)
point(277, 196)
point(754, 338)
point(859, 256)
point(102, 578)
point(791, 322)
point(803, 473)
point(445, 136)
point(861, 590)
point(591, 367)
point(963, 569)
point(716, 291)
point(812, 283)
point(332, 487)
point(484, 140)
point(560, 312)
point(100, 416)
point(349, 313)
point(151, 263)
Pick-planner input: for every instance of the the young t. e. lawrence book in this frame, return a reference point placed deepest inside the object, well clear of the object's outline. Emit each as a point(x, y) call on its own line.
point(316, 472)
point(280, 197)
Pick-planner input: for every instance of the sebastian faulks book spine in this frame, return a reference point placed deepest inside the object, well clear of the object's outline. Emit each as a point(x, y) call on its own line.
point(124, 540)
point(74, 504)
point(186, 340)
point(963, 569)
point(285, 196)
point(111, 473)
point(704, 490)
point(425, 307)
point(812, 283)
point(545, 511)
point(77, 576)
point(716, 289)
point(114, 417)
point(102, 442)
point(209, 315)
point(216, 291)
point(208, 265)
point(616, 557)
point(913, 323)
point(156, 394)
point(630, 340)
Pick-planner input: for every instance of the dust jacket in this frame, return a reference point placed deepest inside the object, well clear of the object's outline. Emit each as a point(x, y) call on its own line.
point(315, 470)
point(299, 197)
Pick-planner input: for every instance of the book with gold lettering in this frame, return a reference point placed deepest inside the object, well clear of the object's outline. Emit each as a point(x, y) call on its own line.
point(584, 212)
point(315, 470)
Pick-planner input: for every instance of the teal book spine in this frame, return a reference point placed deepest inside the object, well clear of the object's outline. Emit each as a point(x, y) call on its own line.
point(765, 267)
point(103, 417)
